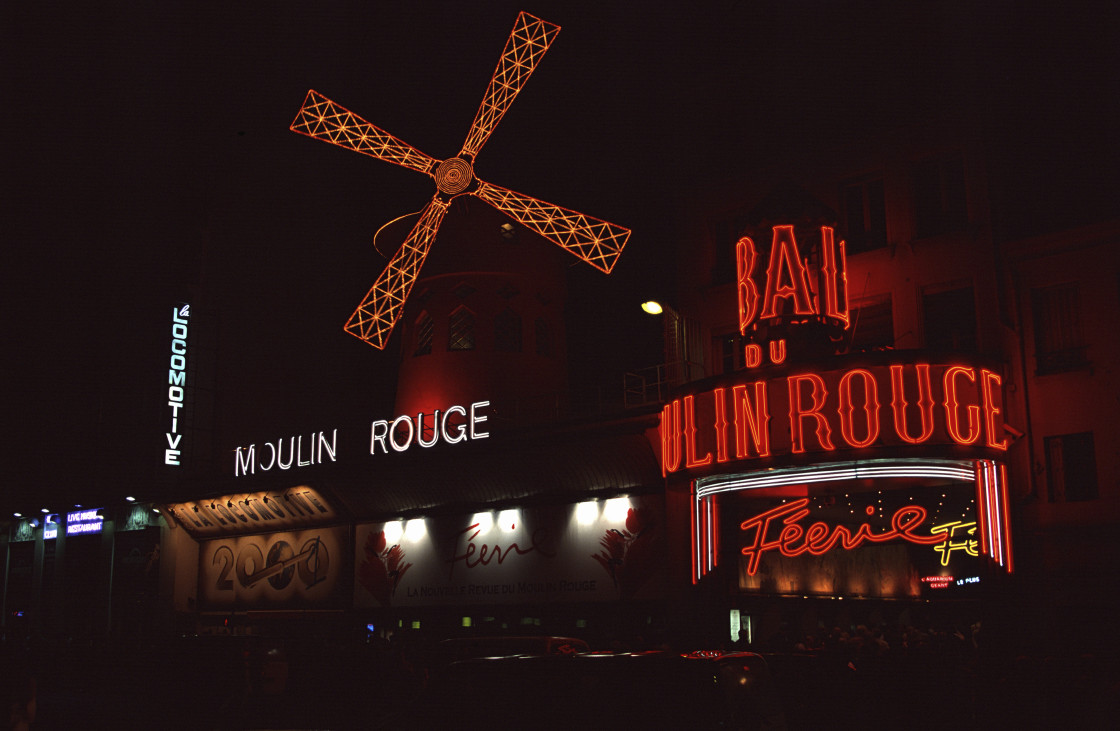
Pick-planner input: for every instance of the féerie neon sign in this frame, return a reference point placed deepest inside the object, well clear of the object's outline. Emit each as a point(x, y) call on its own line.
point(794, 540)
point(896, 404)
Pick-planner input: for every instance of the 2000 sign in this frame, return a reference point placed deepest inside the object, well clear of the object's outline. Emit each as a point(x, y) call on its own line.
point(280, 567)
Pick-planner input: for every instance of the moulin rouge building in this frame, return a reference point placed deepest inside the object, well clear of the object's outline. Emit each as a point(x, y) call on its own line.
point(816, 474)
point(873, 408)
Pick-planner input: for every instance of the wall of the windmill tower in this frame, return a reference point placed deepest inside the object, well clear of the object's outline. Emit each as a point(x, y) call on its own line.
point(485, 321)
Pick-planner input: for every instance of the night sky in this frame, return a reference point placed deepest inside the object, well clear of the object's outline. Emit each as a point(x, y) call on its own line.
point(148, 161)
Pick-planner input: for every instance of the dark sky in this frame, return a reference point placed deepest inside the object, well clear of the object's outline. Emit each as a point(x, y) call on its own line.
point(147, 160)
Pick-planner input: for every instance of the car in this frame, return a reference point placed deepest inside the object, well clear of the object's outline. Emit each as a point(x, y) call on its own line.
point(657, 689)
point(466, 648)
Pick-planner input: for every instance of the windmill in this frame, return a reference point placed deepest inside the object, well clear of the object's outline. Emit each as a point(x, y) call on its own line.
point(596, 242)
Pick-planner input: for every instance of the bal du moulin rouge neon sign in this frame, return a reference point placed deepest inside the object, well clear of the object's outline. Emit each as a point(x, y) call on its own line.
point(890, 400)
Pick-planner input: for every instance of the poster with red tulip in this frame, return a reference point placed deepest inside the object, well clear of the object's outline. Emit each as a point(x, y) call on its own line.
point(593, 551)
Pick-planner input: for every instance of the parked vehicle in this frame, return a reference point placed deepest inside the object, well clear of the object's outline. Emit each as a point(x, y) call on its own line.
point(657, 690)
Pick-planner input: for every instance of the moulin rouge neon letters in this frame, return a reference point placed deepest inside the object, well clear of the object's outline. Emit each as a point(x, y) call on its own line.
point(794, 540)
point(404, 431)
point(857, 408)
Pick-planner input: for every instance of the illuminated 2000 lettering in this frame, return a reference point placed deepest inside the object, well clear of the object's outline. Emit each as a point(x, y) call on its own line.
point(250, 565)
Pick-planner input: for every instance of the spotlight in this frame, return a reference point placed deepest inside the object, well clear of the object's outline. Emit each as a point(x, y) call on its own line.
point(587, 512)
point(507, 519)
point(130, 499)
point(485, 521)
point(393, 531)
point(415, 529)
point(616, 509)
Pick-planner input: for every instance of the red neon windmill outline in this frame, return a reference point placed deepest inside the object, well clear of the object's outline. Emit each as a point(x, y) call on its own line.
point(595, 241)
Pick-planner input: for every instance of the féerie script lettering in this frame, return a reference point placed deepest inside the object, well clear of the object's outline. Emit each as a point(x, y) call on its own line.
point(794, 540)
point(481, 554)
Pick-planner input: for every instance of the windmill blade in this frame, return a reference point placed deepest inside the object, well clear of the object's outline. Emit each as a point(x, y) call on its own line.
point(527, 44)
point(378, 313)
point(322, 119)
point(597, 242)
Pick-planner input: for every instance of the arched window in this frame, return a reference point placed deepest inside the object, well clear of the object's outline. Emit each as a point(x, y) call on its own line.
point(424, 330)
point(507, 331)
point(460, 331)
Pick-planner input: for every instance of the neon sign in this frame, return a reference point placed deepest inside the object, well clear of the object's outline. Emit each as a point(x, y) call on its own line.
point(247, 460)
point(176, 382)
point(794, 540)
point(83, 521)
point(857, 408)
point(786, 294)
point(960, 536)
point(78, 522)
point(404, 431)
point(597, 242)
point(989, 535)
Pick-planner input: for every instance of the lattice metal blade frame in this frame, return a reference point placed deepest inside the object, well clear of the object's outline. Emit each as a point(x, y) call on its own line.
point(322, 119)
point(527, 43)
point(374, 319)
point(597, 242)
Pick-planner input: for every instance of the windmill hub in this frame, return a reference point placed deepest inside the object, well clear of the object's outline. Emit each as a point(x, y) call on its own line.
point(454, 175)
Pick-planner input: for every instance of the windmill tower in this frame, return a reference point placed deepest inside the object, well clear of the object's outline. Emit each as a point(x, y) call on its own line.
point(488, 340)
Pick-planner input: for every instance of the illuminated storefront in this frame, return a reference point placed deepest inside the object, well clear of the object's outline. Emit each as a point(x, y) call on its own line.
point(813, 474)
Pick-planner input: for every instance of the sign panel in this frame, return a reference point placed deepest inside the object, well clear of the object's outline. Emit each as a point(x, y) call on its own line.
point(861, 544)
point(273, 571)
point(593, 551)
point(890, 405)
point(297, 507)
point(177, 385)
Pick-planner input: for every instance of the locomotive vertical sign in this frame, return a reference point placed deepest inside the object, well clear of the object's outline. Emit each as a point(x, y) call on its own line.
point(177, 386)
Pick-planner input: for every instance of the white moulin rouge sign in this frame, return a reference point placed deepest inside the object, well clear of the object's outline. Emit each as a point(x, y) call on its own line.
point(452, 425)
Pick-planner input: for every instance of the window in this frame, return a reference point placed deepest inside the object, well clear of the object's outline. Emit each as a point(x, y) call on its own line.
point(1071, 468)
point(872, 325)
point(424, 330)
point(730, 351)
point(865, 215)
point(1058, 342)
point(940, 205)
point(949, 319)
point(460, 334)
point(543, 336)
point(507, 331)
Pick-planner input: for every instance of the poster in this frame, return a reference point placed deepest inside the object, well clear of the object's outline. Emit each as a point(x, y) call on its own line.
point(593, 551)
point(298, 569)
